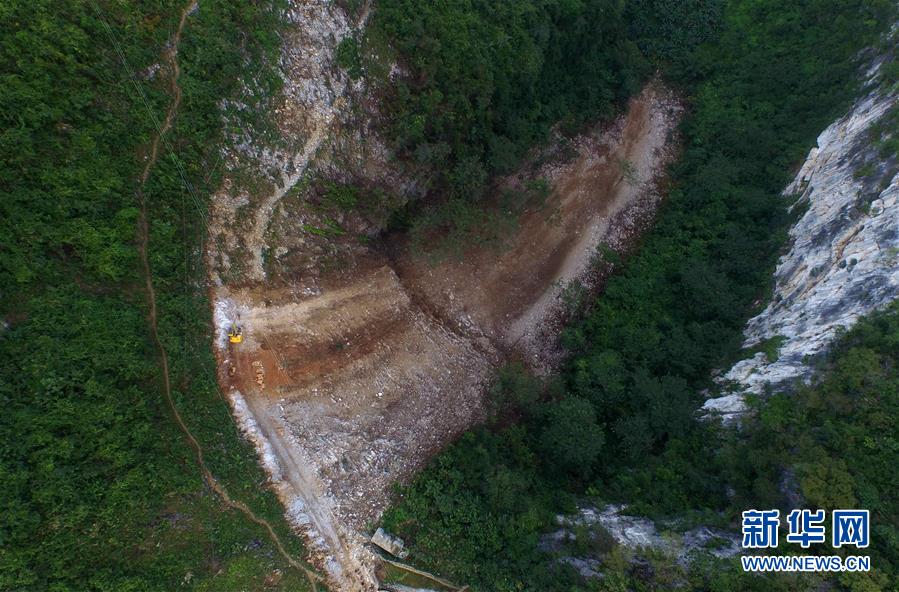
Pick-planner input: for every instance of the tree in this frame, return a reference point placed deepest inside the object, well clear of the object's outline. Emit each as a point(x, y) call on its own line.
point(571, 438)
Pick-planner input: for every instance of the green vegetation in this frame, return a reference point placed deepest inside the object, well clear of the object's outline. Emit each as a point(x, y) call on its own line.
point(838, 440)
point(98, 490)
point(669, 30)
point(348, 57)
point(885, 132)
point(373, 204)
point(484, 81)
point(677, 309)
point(770, 347)
point(477, 512)
point(759, 92)
point(396, 575)
point(448, 227)
point(480, 83)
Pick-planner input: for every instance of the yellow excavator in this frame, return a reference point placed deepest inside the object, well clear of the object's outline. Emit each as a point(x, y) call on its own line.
point(235, 333)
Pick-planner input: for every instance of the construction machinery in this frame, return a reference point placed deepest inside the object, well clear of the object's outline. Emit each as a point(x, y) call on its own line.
point(235, 333)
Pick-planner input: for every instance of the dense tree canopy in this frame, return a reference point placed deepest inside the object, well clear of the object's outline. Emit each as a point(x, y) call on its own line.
point(763, 78)
point(483, 81)
point(97, 489)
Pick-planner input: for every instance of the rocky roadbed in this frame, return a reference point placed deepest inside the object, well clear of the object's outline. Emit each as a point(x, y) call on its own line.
point(350, 381)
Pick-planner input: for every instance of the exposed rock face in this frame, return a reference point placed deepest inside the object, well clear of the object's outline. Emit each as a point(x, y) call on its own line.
point(312, 94)
point(842, 263)
point(350, 380)
point(499, 295)
point(316, 135)
point(634, 532)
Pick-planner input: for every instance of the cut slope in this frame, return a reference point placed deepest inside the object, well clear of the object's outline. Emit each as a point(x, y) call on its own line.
point(349, 382)
point(513, 296)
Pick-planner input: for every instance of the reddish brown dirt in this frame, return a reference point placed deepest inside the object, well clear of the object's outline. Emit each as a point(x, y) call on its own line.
point(350, 382)
point(510, 297)
point(338, 389)
point(143, 241)
point(360, 356)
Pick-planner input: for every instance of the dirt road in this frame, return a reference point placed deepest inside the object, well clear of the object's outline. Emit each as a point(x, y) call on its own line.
point(350, 382)
point(336, 390)
point(143, 238)
point(513, 296)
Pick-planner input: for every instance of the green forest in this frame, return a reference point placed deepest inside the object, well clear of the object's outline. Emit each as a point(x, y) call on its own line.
point(619, 423)
point(100, 491)
point(478, 511)
point(487, 81)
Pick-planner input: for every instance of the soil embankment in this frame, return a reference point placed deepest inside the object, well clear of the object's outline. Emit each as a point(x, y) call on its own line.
point(598, 197)
point(350, 382)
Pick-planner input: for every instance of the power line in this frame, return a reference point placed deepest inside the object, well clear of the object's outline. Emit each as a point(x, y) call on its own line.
point(209, 478)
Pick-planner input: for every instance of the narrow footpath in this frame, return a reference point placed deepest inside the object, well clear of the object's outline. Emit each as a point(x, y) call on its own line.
point(171, 57)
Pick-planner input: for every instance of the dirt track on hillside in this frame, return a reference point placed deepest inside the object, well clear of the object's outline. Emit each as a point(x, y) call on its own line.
point(512, 297)
point(143, 241)
point(350, 382)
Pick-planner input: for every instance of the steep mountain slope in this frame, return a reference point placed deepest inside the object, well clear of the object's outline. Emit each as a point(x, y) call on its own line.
point(348, 381)
point(843, 260)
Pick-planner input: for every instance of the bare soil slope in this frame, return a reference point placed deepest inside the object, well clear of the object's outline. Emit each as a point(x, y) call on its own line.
point(349, 382)
point(513, 296)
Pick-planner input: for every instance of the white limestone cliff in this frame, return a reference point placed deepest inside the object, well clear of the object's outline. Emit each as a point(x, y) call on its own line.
point(843, 259)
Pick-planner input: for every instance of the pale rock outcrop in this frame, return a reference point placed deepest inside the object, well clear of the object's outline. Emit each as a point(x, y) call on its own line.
point(636, 533)
point(391, 544)
point(314, 93)
point(842, 263)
